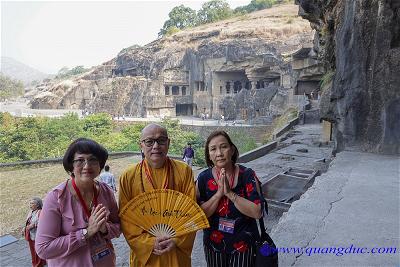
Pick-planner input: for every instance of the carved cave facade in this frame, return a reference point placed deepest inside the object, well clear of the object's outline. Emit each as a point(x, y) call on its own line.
point(216, 87)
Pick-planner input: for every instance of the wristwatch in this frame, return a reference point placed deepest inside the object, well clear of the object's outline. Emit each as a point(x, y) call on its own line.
point(84, 234)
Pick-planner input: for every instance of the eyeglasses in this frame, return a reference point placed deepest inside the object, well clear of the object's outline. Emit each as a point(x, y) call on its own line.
point(149, 142)
point(81, 162)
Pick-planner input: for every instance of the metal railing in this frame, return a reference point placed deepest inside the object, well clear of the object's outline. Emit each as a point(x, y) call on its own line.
point(59, 160)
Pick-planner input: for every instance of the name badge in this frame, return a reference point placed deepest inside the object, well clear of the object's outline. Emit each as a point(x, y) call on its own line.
point(98, 248)
point(226, 225)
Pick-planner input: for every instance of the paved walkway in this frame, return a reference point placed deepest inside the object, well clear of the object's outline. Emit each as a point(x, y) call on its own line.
point(21, 108)
point(349, 217)
point(17, 254)
point(303, 137)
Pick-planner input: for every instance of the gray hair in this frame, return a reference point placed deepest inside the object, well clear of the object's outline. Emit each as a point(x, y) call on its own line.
point(38, 202)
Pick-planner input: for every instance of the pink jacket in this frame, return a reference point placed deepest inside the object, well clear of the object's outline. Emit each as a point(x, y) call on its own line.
point(59, 235)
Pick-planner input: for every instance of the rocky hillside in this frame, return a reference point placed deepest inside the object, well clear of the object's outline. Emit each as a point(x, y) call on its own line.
point(20, 71)
point(359, 42)
point(199, 70)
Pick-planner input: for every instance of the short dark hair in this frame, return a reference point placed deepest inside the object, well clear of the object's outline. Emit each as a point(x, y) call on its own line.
point(106, 168)
point(84, 146)
point(189, 144)
point(235, 155)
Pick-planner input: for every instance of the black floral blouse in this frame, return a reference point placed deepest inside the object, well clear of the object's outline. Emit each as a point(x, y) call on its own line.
point(245, 228)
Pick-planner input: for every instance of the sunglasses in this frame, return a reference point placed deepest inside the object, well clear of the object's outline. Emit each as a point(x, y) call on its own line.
point(149, 142)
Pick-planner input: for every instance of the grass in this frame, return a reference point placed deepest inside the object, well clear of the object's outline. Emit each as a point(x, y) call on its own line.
point(17, 187)
point(326, 79)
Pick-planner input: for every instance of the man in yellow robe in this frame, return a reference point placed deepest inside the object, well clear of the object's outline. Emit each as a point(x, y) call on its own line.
point(156, 171)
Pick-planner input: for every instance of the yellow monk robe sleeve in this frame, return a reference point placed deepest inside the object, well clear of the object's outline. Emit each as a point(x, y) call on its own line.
point(184, 182)
point(126, 186)
point(184, 243)
point(140, 242)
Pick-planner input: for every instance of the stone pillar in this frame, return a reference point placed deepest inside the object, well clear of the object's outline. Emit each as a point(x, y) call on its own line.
point(253, 84)
point(326, 131)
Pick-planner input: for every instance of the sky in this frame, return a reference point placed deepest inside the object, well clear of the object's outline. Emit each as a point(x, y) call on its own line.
point(49, 35)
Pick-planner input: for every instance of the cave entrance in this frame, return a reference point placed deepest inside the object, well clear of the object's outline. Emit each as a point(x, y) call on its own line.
point(308, 88)
point(184, 109)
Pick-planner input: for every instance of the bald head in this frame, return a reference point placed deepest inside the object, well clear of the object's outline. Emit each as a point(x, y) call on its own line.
point(154, 142)
point(153, 127)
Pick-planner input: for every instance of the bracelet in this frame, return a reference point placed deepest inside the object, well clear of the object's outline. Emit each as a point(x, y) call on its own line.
point(104, 234)
point(84, 232)
point(234, 197)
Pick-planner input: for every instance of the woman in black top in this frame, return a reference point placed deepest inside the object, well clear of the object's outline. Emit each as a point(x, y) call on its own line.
point(227, 192)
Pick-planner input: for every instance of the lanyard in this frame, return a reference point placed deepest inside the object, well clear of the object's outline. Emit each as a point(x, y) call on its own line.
point(149, 176)
point(83, 204)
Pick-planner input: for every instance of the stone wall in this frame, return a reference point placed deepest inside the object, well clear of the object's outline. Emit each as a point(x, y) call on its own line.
point(258, 132)
point(359, 41)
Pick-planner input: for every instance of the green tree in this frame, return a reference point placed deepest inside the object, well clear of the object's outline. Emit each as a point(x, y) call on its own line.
point(241, 139)
point(214, 10)
point(132, 133)
point(180, 17)
point(114, 141)
point(6, 120)
point(10, 88)
point(255, 5)
point(23, 142)
point(260, 4)
point(78, 70)
point(64, 72)
point(99, 123)
point(39, 138)
point(60, 132)
point(7, 124)
point(179, 139)
point(240, 10)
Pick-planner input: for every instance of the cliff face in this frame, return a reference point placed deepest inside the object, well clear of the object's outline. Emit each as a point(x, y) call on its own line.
point(232, 68)
point(359, 41)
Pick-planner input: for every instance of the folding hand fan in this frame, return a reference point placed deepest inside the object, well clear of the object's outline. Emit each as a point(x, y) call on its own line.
point(164, 212)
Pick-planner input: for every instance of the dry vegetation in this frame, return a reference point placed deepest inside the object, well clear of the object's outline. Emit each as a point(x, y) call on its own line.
point(280, 24)
point(279, 122)
point(17, 187)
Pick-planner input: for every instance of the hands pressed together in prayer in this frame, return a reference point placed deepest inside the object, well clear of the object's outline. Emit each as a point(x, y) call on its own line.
point(98, 220)
point(163, 245)
point(224, 189)
point(223, 184)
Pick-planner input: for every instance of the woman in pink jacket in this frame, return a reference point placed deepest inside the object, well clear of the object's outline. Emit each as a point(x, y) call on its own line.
point(79, 216)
